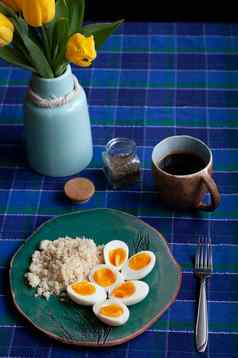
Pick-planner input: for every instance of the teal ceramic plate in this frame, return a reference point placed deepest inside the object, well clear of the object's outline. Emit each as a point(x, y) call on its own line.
point(74, 324)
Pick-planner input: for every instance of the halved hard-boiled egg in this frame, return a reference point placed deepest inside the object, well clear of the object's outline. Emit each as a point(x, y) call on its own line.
point(116, 254)
point(139, 265)
point(105, 276)
point(112, 312)
point(86, 293)
point(130, 292)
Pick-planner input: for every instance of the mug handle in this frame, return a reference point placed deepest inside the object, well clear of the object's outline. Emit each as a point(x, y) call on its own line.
point(213, 190)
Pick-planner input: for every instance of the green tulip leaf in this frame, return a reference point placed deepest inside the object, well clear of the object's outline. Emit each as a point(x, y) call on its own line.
point(76, 15)
point(23, 25)
point(61, 38)
point(36, 55)
point(101, 31)
point(62, 10)
point(73, 10)
point(7, 11)
point(15, 57)
point(19, 45)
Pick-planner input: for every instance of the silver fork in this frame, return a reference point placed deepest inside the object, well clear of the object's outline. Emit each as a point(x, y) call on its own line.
point(203, 270)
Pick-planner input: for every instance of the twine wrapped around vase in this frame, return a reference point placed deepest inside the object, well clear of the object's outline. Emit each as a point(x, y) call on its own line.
point(55, 102)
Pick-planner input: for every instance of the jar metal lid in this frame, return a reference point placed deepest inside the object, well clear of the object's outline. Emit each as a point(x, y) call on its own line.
point(121, 147)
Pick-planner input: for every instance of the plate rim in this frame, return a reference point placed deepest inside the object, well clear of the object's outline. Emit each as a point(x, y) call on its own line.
point(89, 343)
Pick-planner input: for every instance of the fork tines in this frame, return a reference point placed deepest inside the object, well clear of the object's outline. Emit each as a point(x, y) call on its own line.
point(203, 259)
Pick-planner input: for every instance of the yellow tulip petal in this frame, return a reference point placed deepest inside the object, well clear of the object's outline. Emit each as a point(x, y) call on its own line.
point(19, 4)
point(81, 50)
point(48, 10)
point(27, 10)
point(32, 12)
point(84, 63)
point(38, 12)
point(6, 30)
point(6, 36)
point(5, 22)
point(91, 48)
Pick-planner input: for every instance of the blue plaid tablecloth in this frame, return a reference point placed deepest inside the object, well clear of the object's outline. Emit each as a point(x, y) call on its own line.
point(150, 81)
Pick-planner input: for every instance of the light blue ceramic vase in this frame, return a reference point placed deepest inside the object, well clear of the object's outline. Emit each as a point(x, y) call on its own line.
point(58, 140)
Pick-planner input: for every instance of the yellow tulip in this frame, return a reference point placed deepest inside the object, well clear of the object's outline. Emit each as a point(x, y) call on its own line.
point(6, 31)
point(14, 4)
point(81, 50)
point(38, 12)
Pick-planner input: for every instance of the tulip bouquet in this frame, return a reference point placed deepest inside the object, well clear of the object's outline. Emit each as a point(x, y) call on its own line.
point(44, 36)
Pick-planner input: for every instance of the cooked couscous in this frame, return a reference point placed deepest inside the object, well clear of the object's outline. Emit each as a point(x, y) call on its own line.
point(61, 262)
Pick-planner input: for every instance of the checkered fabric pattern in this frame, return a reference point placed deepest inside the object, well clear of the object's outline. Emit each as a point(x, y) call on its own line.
point(150, 81)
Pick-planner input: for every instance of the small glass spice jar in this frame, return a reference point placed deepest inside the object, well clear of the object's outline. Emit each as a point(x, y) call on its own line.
point(121, 162)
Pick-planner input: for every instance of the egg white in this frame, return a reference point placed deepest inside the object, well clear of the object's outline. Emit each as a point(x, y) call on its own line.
point(112, 321)
point(87, 300)
point(115, 244)
point(131, 274)
point(118, 275)
point(141, 291)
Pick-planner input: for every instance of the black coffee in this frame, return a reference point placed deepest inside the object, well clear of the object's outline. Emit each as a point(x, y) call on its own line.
point(182, 163)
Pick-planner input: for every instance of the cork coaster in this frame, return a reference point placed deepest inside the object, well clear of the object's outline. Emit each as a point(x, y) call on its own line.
point(79, 189)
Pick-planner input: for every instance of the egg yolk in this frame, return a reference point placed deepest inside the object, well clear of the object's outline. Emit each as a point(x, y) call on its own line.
point(117, 256)
point(84, 288)
point(126, 289)
point(104, 277)
point(112, 310)
point(139, 261)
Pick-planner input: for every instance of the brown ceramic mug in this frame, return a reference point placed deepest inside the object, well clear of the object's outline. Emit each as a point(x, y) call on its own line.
point(185, 191)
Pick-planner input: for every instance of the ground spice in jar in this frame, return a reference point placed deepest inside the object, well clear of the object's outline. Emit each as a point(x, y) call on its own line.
point(121, 162)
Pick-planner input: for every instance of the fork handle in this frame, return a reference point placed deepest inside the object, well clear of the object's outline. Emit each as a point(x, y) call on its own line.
point(202, 319)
